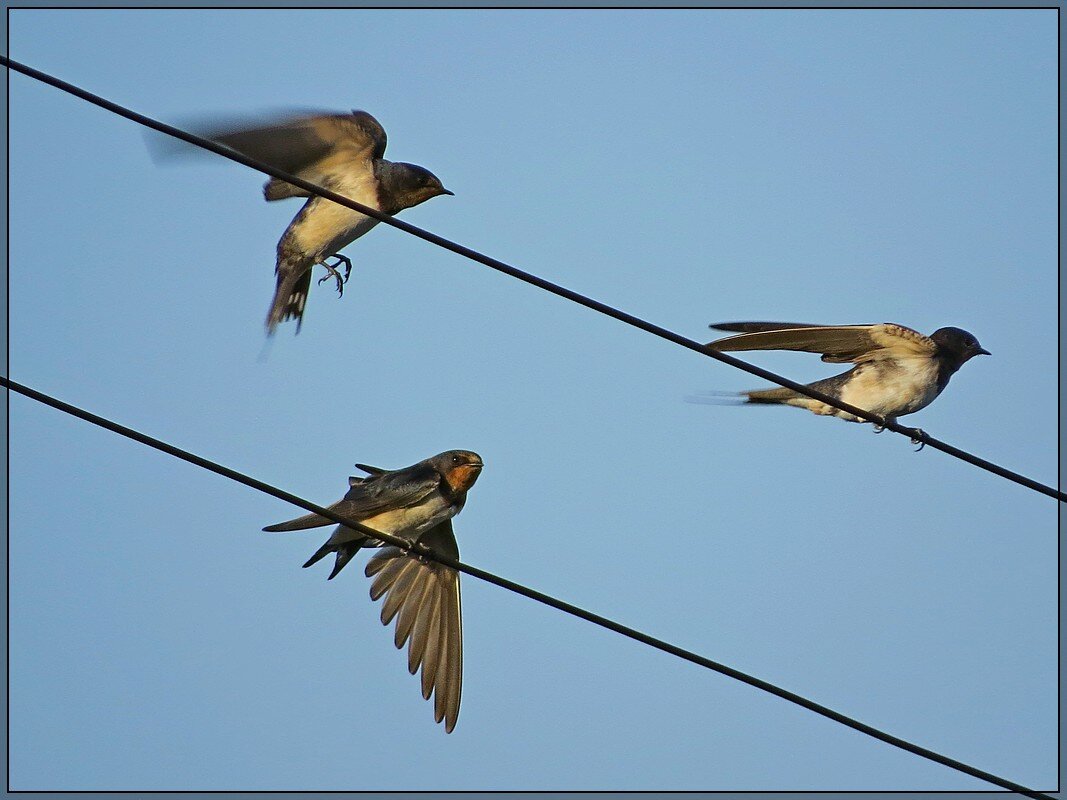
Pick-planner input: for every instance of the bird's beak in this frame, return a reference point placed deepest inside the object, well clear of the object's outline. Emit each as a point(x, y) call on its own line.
point(445, 191)
point(983, 352)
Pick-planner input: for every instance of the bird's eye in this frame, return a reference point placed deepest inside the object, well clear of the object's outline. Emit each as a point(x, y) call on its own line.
point(457, 460)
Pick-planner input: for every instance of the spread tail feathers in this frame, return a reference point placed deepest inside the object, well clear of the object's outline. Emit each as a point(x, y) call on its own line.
point(290, 295)
point(424, 599)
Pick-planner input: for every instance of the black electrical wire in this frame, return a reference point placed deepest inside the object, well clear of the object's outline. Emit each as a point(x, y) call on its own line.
point(915, 434)
point(525, 591)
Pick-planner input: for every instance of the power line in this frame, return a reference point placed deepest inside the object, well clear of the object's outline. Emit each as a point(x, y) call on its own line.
point(525, 591)
point(914, 433)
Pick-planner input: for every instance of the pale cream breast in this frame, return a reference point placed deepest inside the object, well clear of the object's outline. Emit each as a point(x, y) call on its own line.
point(408, 520)
point(902, 387)
point(325, 227)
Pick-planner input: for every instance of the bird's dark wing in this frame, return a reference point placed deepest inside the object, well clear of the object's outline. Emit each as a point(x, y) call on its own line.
point(424, 598)
point(369, 496)
point(393, 489)
point(294, 143)
point(756, 327)
point(311, 147)
point(370, 470)
point(341, 507)
point(836, 343)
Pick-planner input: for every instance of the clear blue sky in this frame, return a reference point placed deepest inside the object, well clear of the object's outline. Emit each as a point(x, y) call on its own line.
point(688, 167)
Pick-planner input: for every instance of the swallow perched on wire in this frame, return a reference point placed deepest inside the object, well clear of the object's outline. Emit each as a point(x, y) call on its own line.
point(898, 370)
point(416, 503)
point(345, 154)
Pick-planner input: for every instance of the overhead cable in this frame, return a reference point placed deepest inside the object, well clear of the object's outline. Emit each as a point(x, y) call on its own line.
point(525, 591)
point(917, 435)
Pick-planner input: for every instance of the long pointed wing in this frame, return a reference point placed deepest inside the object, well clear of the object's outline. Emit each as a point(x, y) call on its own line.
point(836, 343)
point(294, 143)
point(397, 489)
point(755, 327)
point(424, 597)
point(342, 507)
point(311, 146)
point(371, 470)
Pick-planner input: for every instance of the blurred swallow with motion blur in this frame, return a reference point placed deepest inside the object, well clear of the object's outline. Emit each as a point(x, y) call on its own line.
point(340, 152)
point(898, 370)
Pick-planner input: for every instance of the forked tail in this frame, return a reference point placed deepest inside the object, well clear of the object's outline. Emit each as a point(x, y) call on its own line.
point(290, 294)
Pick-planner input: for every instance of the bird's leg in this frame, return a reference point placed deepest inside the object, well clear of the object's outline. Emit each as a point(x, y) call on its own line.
point(887, 420)
point(331, 272)
point(917, 435)
point(343, 260)
point(417, 550)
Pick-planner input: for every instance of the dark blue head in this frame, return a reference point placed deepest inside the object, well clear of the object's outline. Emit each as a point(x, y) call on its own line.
point(957, 344)
point(414, 184)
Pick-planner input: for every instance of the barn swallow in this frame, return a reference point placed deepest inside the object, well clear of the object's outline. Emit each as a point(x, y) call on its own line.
point(342, 153)
point(416, 503)
point(898, 370)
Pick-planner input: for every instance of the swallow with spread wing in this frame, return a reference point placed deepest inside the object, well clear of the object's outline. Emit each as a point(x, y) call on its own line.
point(345, 154)
point(415, 503)
point(898, 370)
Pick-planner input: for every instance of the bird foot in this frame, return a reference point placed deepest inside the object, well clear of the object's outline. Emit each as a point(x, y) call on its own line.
point(331, 272)
point(417, 551)
point(917, 435)
point(878, 428)
point(411, 547)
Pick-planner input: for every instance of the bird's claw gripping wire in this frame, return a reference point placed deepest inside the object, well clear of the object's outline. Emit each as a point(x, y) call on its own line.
point(417, 550)
point(331, 272)
point(917, 436)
